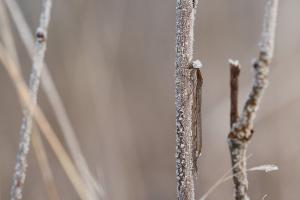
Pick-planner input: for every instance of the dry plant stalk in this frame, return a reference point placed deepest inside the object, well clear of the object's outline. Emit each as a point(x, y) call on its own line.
point(6, 33)
point(44, 164)
point(188, 101)
point(9, 43)
point(227, 176)
point(13, 69)
point(25, 132)
point(44, 125)
point(95, 189)
point(242, 127)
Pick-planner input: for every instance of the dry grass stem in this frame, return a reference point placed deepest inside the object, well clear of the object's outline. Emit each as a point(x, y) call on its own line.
point(6, 33)
point(220, 181)
point(44, 165)
point(9, 43)
point(226, 176)
point(44, 125)
point(48, 85)
point(25, 132)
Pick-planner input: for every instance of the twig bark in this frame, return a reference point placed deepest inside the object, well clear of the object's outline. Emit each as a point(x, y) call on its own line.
point(9, 43)
point(188, 100)
point(31, 107)
point(43, 123)
point(25, 132)
point(242, 130)
point(237, 151)
point(96, 189)
point(234, 90)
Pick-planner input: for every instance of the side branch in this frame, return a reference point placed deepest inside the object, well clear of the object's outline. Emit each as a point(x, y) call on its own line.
point(237, 150)
point(244, 126)
point(242, 129)
point(234, 90)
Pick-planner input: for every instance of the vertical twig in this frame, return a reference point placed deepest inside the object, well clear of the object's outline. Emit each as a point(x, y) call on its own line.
point(234, 90)
point(25, 132)
point(238, 163)
point(8, 40)
point(242, 130)
point(188, 99)
point(96, 190)
point(42, 122)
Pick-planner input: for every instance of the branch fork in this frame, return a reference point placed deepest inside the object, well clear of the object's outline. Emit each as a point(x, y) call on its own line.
point(242, 126)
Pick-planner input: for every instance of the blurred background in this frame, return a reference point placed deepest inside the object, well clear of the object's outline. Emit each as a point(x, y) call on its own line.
point(113, 64)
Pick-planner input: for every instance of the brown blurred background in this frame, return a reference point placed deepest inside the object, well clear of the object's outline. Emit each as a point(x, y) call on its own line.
point(113, 64)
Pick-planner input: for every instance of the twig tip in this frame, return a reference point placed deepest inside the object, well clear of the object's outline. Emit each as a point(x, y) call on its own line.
point(197, 64)
point(234, 62)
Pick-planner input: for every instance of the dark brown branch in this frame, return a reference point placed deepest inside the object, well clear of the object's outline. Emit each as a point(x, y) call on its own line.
point(237, 150)
point(234, 91)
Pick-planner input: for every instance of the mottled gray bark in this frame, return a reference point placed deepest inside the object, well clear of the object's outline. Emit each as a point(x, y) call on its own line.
point(188, 101)
point(238, 159)
point(242, 129)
